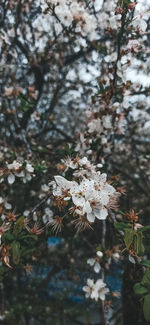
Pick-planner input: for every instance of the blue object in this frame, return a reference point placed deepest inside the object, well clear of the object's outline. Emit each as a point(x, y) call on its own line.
point(54, 241)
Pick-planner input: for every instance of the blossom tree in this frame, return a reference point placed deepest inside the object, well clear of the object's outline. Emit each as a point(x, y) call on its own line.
point(74, 120)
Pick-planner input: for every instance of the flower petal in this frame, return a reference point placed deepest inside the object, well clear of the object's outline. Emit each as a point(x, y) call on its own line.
point(101, 213)
point(11, 179)
point(91, 261)
point(97, 267)
point(91, 217)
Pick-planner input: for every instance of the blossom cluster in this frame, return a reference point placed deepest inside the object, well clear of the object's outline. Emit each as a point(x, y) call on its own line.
point(104, 259)
point(81, 17)
point(71, 12)
point(22, 170)
point(102, 125)
point(89, 191)
point(108, 15)
point(95, 262)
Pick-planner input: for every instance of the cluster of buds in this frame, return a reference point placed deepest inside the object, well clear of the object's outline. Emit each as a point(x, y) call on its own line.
point(132, 216)
point(5, 254)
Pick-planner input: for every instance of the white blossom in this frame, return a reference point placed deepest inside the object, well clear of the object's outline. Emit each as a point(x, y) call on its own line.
point(7, 206)
point(14, 166)
point(98, 4)
point(95, 126)
point(64, 14)
point(17, 170)
point(116, 256)
point(29, 168)
point(96, 290)
point(139, 23)
point(107, 121)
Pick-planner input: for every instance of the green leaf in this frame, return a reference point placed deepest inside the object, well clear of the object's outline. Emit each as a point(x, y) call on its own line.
point(139, 289)
point(146, 279)
point(139, 247)
point(121, 212)
point(15, 251)
point(19, 225)
point(146, 307)
point(27, 251)
point(39, 167)
point(101, 86)
point(28, 236)
point(25, 108)
point(25, 104)
point(145, 263)
point(128, 237)
point(121, 226)
point(12, 155)
point(8, 236)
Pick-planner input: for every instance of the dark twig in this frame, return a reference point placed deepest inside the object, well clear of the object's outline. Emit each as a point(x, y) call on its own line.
point(38, 205)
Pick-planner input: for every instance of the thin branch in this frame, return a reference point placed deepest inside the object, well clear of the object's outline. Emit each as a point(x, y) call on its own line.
point(38, 205)
point(23, 133)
